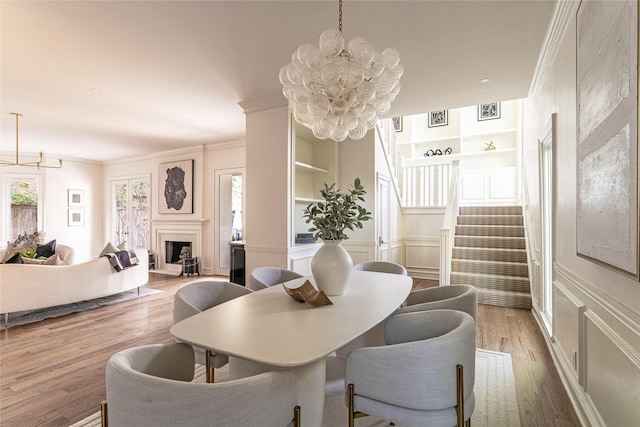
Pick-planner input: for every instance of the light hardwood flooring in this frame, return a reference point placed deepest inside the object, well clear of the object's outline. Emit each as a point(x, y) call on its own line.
point(52, 372)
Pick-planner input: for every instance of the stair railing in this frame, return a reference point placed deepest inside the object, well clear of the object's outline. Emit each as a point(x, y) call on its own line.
point(447, 231)
point(386, 136)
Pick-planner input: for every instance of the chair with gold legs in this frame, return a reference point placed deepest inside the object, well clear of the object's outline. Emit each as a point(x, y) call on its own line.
point(381, 267)
point(152, 386)
point(451, 297)
point(196, 297)
point(423, 376)
point(264, 277)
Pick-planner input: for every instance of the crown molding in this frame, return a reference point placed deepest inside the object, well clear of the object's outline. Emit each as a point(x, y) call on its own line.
point(564, 11)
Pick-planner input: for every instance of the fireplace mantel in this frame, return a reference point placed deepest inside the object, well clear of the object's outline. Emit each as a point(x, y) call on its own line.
point(184, 230)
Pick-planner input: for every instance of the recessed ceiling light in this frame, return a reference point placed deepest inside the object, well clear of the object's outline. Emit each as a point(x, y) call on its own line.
point(95, 90)
point(485, 80)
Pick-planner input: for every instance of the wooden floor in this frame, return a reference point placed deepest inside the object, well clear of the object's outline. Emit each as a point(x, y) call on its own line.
point(52, 372)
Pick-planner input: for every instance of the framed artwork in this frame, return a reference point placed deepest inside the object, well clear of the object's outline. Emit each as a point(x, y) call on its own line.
point(438, 118)
point(489, 111)
point(76, 217)
point(175, 185)
point(75, 198)
point(607, 149)
point(397, 123)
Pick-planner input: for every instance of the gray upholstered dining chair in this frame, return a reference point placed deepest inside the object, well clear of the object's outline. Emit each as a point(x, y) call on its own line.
point(424, 376)
point(374, 336)
point(453, 297)
point(152, 385)
point(264, 277)
point(381, 267)
point(196, 297)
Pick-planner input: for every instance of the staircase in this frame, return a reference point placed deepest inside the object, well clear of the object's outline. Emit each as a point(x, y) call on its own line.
point(490, 253)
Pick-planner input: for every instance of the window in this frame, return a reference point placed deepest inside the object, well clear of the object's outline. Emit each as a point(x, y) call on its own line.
point(24, 205)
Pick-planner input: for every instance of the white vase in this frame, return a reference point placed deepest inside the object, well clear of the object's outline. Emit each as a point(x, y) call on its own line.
point(331, 267)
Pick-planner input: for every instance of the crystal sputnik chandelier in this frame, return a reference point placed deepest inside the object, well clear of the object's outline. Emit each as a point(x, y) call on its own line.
point(339, 92)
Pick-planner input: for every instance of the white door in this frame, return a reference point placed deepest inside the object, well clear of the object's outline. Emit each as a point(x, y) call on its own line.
point(546, 217)
point(229, 215)
point(130, 212)
point(382, 214)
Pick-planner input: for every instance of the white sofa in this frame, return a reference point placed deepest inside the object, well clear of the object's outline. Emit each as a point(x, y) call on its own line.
point(29, 286)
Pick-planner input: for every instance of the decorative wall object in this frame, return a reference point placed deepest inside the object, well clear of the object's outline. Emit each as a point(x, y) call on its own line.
point(607, 153)
point(76, 217)
point(397, 124)
point(489, 111)
point(438, 118)
point(75, 198)
point(175, 186)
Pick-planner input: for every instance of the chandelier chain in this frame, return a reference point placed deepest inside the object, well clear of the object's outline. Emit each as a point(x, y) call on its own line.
point(340, 16)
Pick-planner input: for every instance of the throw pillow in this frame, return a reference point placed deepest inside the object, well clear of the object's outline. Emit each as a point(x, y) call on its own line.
point(27, 260)
point(46, 250)
point(53, 260)
point(16, 259)
point(11, 250)
point(109, 248)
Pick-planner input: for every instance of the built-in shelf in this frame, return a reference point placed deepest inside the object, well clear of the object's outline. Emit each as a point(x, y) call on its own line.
point(434, 160)
point(305, 166)
point(315, 163)
point(307, 200)
point(458, 137)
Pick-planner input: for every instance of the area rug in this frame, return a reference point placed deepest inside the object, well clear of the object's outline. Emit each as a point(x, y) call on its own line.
point(495, 391)
point(32, 316)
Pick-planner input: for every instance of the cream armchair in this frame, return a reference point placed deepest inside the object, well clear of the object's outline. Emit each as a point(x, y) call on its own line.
point(152, 386)
point(264, 277)
point(196, 297)
point(424, 376)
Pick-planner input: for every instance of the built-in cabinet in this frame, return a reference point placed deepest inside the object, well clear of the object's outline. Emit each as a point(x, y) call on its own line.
point(314, 164)
point(488, 150)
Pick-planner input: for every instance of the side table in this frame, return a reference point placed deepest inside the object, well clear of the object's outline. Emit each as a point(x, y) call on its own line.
point(191, 266)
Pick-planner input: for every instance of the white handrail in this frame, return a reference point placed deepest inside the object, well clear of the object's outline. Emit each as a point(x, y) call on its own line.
point(447, 231)
point(390, 150)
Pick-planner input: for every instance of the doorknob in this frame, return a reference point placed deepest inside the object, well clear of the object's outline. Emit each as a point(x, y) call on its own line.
point(380, 241)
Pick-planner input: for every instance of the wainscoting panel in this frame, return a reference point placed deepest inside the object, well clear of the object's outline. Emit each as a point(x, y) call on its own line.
point(536, 284)
point(568, 315)
point(494, 186)
point(614, 391)
point(422, 257)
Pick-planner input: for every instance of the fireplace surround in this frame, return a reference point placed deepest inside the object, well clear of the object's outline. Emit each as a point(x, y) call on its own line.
point(184, 232)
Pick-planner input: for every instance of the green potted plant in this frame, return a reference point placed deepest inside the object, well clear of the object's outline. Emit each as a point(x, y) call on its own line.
point(331, 265)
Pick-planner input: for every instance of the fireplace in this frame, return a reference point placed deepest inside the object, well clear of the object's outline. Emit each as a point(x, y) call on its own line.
point(176, 251)
point(170, 237)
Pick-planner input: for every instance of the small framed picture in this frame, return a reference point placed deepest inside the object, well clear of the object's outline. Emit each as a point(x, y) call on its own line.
point(489, 111)
point(438, 118)
point(397, 123)
point(75, 198)
point(76, 217)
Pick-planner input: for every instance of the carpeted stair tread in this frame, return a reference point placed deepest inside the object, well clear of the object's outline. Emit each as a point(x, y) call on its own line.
point(490, 267)
point(490, 220)
point(490, 210)
point(492, 281)
point(490, 230)
point(490, 242)
point(504, 298)
point(490, 254)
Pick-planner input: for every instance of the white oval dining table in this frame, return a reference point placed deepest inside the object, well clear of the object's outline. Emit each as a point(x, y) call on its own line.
point(268, 330)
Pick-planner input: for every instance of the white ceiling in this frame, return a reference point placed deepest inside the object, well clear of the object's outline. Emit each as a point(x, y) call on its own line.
point(170, 74)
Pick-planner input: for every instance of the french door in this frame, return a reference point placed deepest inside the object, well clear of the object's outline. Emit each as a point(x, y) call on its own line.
point(130, 212)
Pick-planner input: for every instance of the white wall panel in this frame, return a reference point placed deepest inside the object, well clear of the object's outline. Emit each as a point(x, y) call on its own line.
point(568, 313)
point(612, 374)
point(422, 258)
